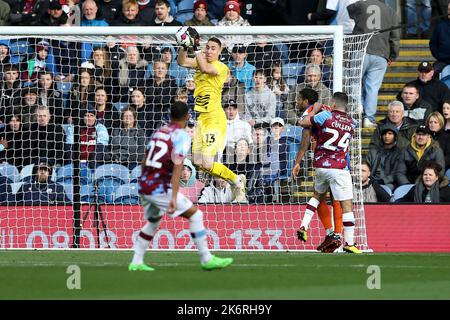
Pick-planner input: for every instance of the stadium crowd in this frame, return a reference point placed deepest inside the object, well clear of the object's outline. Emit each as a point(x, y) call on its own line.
point(120, 91)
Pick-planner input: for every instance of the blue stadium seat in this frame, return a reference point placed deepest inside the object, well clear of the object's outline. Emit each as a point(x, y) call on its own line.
point(119, 105)
point(185, 10)
point(447, 173)
point(108, 178)
point(10, 172)
point(127, 194)
point(86, 192)
point(388, 190)
point(26, 174)
point(291, 71)
point(401, 191)
point(135, 174)
point(65, 174)
point(15, 186)
point(18, 50)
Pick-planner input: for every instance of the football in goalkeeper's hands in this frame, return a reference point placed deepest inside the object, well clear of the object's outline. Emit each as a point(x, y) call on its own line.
point(183, 38)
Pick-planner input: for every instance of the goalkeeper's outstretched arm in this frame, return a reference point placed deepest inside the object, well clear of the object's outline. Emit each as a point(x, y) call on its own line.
point(183, 59)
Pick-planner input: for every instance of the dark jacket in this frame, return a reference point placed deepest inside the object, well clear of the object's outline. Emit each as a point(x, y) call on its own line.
point(384, 163)
point(386, 44)
point(444, 143)
point(406, 131)
point(14, 152)
point(9, 97)
point(127, 145)
point(410, 167)
point(48, 20)
point(263, 57)
point(435, 92)
point(19, 18)
point(109, 11)
point(55, 105)
point(440, 41)
point(418, 111)
point(35, 193)
point(125, 22)
point(160, 95)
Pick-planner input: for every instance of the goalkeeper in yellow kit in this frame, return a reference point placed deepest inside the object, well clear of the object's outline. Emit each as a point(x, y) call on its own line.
point(210, 133)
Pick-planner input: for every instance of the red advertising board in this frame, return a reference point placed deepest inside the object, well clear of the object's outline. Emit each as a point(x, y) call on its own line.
point(389, 228)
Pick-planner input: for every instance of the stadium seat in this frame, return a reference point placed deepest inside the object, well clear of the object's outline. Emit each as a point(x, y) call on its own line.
point(119, 105)
point(135, 174)
point(108, 178)
point(15, 186)
point(26, 174)
point(10, 172)
point(86, 192)
point(291, 71)
point(447, 173)
point(388, 190)
point(18, 50)
point(65, 174)
point(401, 191)
point(127, 194)
point(185, 10)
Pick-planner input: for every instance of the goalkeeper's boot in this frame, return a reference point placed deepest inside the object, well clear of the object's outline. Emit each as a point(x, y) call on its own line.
point(239, 193)
point(351, 248)
point(139, 267)
point(334, 243)
point(217, 263)
point(325, 242)
point(302, 234)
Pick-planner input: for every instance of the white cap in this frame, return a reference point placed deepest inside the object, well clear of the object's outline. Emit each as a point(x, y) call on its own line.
point(277, 120)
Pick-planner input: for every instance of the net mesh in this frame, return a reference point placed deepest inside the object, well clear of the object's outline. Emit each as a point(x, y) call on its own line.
point(116, 91)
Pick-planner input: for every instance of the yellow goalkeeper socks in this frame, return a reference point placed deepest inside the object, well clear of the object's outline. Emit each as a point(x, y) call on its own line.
point(222, 171)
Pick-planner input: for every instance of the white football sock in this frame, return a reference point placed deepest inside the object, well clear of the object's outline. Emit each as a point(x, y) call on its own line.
point(348, 220)
point(198, 234)
point(143, 240)
point(311, 208)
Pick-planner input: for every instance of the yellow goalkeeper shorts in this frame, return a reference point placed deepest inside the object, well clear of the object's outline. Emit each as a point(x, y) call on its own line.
point(210, 133)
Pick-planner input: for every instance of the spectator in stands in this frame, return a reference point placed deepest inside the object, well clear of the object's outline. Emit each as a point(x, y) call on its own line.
point(396, 116)
point(241, 69)
point(148, 117)
point(27, 13)
point(163, 16)
point(422, 148)
point(415, 107)
point(5, 58)
point(72, 8)
point(444, 138)
point(146, 11)
point(103, 67)
point(106, 114)
point(432, 90)
point(129, 15)
point(260, 102)
point(160, 89)
point(127, 145)
point(263, 55)
point(372, 191)
point(41, 190)
point(232, 15)
point(440, 43)
point(43, 139)
point(5, 12)
point(200, 17)
point(190, 87)
point(67, 55)
point(131, 73)
point(90, 15)
point(190, 186)
point(259, 136)
point(14, 135)
point(10, 91)
point(40, 61)
point(278, 85)
point(27, 108)
point(176, 71)
point(94, 139)
point(218, 191)
point(242, 163)
point(431, 187)
point(313, 80)
point(236, 128)
point(110, 10)
point(384, 160)
point(435, 122)
point(336, 12)
point(383, 48)
point(50, 96)
point(275, 159)
point(412, 20)
point(234, 90)
point(55, 15)
point(316, 56)
point(82, 96)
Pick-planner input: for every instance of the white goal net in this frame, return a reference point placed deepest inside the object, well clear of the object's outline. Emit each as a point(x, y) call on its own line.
point(78, 105)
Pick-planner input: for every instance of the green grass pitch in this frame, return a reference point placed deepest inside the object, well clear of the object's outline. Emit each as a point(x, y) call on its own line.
point(283, 275)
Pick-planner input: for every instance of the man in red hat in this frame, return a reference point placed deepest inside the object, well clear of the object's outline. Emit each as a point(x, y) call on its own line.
point(200, 17)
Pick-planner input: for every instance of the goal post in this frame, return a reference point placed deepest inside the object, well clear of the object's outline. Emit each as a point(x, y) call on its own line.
point(101, 210)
